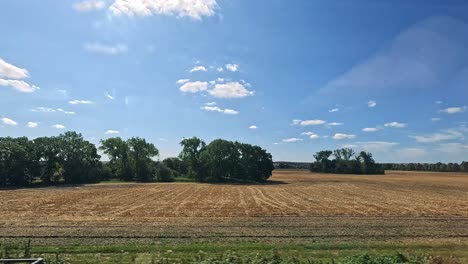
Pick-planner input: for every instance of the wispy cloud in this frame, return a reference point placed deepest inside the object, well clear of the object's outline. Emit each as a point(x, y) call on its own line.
point(340, 136)
point(51, 110)
point(395, 125)
point(58, 126)
point(32, 124)
point(333, 110)
point(20, 86)
point(450, 134)
point(453, 110)
point(290, 140)
point(76, 102)
point(182, 81)
point(371, 145)
point(111, 132)
point(10, 71)
point(109, 96)
point(105, 49)
point(312, 122)
point(195, 9)
point(253, 127)
point(9, 122)
point(370, 129)
point(219, 110)
point(334, 124)
point(371, 103)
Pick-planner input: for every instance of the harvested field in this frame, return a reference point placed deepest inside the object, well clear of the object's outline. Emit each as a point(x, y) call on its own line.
point(296, 206)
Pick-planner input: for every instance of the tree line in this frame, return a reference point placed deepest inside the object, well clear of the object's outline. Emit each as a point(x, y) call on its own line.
point(435, 167)
point(345, 161)
point(70, 159)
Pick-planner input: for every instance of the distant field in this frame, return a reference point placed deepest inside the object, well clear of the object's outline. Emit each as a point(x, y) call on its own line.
point(297, 206)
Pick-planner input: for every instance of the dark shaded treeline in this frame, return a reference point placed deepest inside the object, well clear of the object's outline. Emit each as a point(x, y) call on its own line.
point(345, 161)
point(70, 159)
point(435, 167)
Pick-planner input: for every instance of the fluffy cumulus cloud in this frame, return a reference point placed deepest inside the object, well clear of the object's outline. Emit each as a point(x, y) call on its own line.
point(76, 102)
point(449, 134)
point(312, 122)
point(395, 125)
point(453, 110)
point(370, 129)
point(232, 67)
point(105, 49)
point(195, 9)
point(32, 124)
point(311, 135)
point(194, 87)
point(111, 132)
point(90, 5)
point(198, 68)
point(340, 136)
point(371, 103)
point(290, 140)
point(58, 126)
point(230, 90)
point(219, 110)
point(253, 127)
point(10, 76)
point(9, 122)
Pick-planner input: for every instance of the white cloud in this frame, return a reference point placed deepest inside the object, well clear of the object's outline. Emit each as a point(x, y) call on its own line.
point(313, 122)
point(32, 124)
point(51, 110)
point(438, 102)
point(311, 135)
point(182, 81)
point(454, 110)
point(198, 68)
point(232, 67)
point(340, 136)
point(220, 69)
point(333, 110)
point(370, 129)
point(59, 126)
point(20, 86)
point(110, 132)
point(194, 87)
point(435, 119)
point(230, 90)
point(10, 71)
point(371, 103)
point(210, 103)
point(220, 80)
point(65, 112)
point(334, 124)
point(395, 125)
point(76, 102)
point(289, 140)
point(109, 96)
point(195, 9)
point(90, 5)
point(105, 49)
point(253, 127)
point(219, 110)
point(444, 135)
point(9, 122)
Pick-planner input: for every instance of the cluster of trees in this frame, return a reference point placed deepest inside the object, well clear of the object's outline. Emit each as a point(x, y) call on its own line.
point(345, 161)
point(65, 158)
point(223, 161)
point(69, 158)
point(437, 167)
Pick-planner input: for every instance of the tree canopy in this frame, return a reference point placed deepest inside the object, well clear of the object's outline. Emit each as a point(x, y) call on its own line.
point(345, 161)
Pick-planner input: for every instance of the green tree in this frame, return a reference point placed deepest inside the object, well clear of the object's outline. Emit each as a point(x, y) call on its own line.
point(141, 153)
point(190, 154)
point(119, 160)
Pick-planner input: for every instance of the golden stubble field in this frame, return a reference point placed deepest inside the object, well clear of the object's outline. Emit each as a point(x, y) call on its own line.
point(296, 206)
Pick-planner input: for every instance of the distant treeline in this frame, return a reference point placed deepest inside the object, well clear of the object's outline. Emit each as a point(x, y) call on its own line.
point(345, 161)
point(70, 159)
point(436, 167)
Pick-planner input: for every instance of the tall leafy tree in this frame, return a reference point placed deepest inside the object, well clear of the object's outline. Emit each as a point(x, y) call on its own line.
point(190, 154)
point(141, 153)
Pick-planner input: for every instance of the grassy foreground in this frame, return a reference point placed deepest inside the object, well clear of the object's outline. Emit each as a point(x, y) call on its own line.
point(243, 253)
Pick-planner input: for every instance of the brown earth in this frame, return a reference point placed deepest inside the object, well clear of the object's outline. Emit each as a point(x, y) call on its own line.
point(296, 206)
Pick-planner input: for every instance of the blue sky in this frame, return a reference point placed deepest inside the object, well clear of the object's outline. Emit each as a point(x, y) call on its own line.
point(295, 77)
